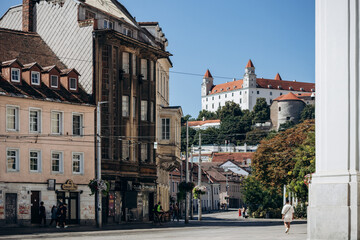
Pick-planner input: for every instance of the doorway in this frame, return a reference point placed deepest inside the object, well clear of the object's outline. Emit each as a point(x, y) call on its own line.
point(151, 206)
point(11, 208)
point(35, 205)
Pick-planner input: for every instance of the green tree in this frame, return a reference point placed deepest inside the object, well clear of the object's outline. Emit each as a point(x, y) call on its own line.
point(286, 125)
point(304, 164)
point(207, 115)
point(255, 136)
point(307, 113)
point(192, 133)
point(208, 136)
point(261, 111)
point(230, 109)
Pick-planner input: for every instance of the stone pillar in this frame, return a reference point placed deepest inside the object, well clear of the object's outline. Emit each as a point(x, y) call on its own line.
point(333, 211)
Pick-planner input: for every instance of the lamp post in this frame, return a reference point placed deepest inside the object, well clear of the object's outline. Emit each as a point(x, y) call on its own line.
point(98, 163)
point(199, 178)
point(187, 203)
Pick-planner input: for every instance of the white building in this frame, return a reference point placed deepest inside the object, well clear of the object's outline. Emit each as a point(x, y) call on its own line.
point(204, 124)
point(245, 91)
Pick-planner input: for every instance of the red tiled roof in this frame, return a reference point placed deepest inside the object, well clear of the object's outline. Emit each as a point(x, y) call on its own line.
point(266, 83)
point(277, 77)
point(235, 156)
point(229, 86)
point(289, 96)
point(249, 64)
point(200, 123)
point(207, 74)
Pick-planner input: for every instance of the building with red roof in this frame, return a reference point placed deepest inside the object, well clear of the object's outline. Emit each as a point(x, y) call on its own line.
point(245, 91)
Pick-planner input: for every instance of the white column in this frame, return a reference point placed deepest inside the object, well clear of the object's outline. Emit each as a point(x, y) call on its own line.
point(333, 211)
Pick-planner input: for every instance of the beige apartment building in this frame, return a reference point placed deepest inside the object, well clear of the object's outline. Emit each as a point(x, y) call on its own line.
point(46, 134)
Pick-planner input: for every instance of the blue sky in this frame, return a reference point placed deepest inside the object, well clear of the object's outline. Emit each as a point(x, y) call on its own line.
point(277, 35)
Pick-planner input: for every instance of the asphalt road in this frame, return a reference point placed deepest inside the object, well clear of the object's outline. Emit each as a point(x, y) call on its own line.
point(224, 225)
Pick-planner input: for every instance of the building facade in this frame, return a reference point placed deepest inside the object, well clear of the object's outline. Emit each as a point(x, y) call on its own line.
point(245, 91)
point(117, 60)
point(46, 133)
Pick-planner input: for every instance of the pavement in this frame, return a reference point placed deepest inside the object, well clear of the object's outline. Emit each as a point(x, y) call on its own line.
point(220, 225)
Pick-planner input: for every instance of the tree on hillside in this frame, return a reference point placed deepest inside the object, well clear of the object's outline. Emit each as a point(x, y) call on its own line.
point(192, 133)
point(209, 136)
point(187, 117)
point(207, 115)
point(261, 111)
point(255, 136)
point(230, 109)
point(307, 113)
point(275, 157)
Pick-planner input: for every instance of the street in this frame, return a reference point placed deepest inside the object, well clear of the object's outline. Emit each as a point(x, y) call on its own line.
point(223, 225)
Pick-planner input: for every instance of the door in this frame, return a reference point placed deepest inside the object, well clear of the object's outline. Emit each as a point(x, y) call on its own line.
point(73, 208)
point(11, 208)
point(35, 205)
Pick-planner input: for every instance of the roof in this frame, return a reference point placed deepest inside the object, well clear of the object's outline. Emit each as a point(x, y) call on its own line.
point(148, 23)
point(200, 123)
point(266, 83)
point(288, 97)
point(235, 156)
point(277, 77)
point(16, 45)
point(249, 64)
point(207, 74)
point(49, 68)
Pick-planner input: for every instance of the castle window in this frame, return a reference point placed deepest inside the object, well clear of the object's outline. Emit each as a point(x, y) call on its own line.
point(291, 88)
point(219, 96)
point(270, 93)
point(280, 94)
point(279, 109)
point(240, 100)
point(207, 99)
point(232, 94)
point(301, 89)
point(240, 93)
point(213, 106)
point(257, 92)
point(225, 95)
point(212, 98)
point(206, 106)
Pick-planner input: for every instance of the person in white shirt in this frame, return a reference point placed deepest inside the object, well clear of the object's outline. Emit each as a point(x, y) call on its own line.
point(287, 215)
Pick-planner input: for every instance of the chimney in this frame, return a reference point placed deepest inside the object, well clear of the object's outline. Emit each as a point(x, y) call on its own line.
point(28, 15)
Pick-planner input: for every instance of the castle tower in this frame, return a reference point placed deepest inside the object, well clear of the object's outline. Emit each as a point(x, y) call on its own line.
point(207, 83)
point(249, 76)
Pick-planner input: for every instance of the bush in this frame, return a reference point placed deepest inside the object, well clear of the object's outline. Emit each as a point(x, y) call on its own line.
point(301, 211)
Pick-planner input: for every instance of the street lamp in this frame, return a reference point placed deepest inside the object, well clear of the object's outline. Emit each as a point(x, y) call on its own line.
point(98, 164)
point(227, 186)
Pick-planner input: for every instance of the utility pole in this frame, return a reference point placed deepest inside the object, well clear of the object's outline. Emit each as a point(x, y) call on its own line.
point(98, 163)
point(191, 179)
point(199, 178)
point(187, 203)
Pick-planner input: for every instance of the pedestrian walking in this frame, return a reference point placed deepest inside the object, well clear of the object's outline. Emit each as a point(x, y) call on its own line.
point(63, 216)
point(176, 212)
point(53, 215)
point(287, 215)
point(42, 213)
point(59, 214)
point(243, 212)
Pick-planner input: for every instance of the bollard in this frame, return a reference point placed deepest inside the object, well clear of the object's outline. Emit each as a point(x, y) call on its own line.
point(239, 212)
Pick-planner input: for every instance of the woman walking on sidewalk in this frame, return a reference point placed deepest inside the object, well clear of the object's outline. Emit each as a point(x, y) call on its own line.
point(287, 215)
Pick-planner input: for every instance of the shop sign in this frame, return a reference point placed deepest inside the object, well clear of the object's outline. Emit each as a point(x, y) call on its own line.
point(69, 185)
point(51, 184)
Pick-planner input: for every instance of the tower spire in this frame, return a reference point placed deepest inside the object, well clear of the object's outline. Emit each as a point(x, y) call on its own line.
point(208, 74)
point(277, 77)
point(249, 64)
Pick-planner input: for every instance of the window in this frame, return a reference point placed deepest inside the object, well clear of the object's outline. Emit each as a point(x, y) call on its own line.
point(56, 122)
point(257, 92)
point(240, 100)
point(108, 24)
point(151, 71)
point(280, 94)
point(213, 106)
point(125, 150)
point(144, 68)
point(144, 110)
point(56, 162)
point(212, 98)
point(279, 109)
point(232, 94)
point(207, 99)
point(219, 104)
point(225, 95)
point(126, 62)
point(165, 127)
point(12, 160)
point(127, 32)
point(219, 96)
point(35, 161)
point(125, 106)
point(77, 124)
point(12, 118)
point(73, 85)
point(134, 107)
point(89, 15)
point(35, 78)
point(77, 163)
point(54, 81)
point(240, 93)
point(151, 111)
point(206, 106)
point(270, 93)
point(35, 120)
point(133, 64)
point(15, 75)
point(144, 152)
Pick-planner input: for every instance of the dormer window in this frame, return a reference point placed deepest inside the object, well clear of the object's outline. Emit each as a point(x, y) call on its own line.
point(54, 81)
point(313, 90)
point(108, 24)
point(15, 75)
point(269, 86)
point(301, 89)
point(291, 88)
point(35, 78)
point(72, 84)
point(127, 32)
